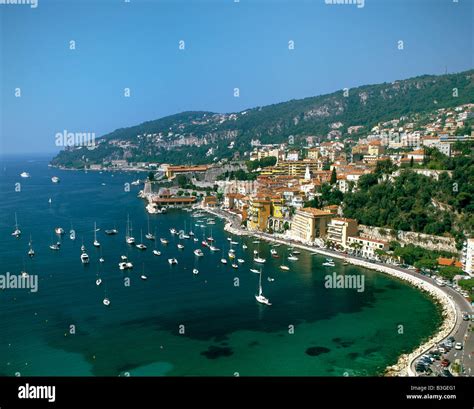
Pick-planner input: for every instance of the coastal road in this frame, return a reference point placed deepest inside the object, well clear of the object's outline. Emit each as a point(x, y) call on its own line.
point(462, 331)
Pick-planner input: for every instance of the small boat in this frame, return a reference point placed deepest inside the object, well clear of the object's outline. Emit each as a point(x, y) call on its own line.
point(164, 241)
point(292, 257)
point(198, 252)
point(173, 231)
point(56, 246)
point(96, 243)
point(24, 175)
point(329, 264)
point(149, 235)
point(274, 253)
point(55, 179)
point(286, 268)
point(223, 261)
point(254, 270)
point(255, 252)
point(123, 266)
point(106, 302)
point(180, 246)
point(244, 246)
point(191, 233)
point(259, 260)
point(128, 264)
point(296, 252)
point(98, 281)
point(234, 265)
point(129, 239)
point(17, 231)
point(231, 254)
point(213, 248)
point(111, 232)
point(141, 246)
point(143, 277)
point(84, 258)
point(345, 263)
point(205, 243)
point(59, 230)
point(329, 259)
point(195, 239)
point(260, 297)
point(101, 260)
point(240, 260)
point(195, 271)
point(256, 242)
point(135, 182)
point(211, 239)
point(228, 238)
point(124, 258)
point(172, 261)
point(270, 279)
point(31, 252)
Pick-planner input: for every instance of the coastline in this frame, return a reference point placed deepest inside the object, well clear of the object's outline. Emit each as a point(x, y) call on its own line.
point(403, 366)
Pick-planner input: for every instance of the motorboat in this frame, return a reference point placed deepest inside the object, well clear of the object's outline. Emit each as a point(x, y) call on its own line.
point(240, 260)
point(180, 246)
point(98, 281)
point(213, 248)
point(59, 230)
point(254, 270)
point(55, 179)
point(198, 252)
point(157, 253)
point(292, 257)
point(283, 267)
point(164, 241)
point(111, 232)
point(195, 271)
point(24, 175)
point(234, 265)
point(223, 261)
point(106, 302)
point(84, 258)
point(259, 260)
point(172, 261)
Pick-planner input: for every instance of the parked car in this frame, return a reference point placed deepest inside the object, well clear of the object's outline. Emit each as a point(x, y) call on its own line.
point(442, 350)
point(445, 363)
point(458, 346)
point(446, 372)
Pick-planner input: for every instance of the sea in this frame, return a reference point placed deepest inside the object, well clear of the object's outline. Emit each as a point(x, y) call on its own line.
point(177, 323)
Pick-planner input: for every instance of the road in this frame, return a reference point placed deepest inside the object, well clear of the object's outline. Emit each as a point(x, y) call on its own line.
point(462, 331)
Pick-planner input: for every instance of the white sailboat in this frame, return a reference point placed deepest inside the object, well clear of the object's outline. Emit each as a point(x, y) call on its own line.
point(31, 252)
point(149, 235)
point(128, 237)
point(260, 297)
point(156, 252)
point(195, 271)
point(284, 267)
point(17, 231)
point(24, 175)
point(96, 243)
point(198, 252)
point(257, 257)
point(172, 261)
point(141, 246)
point(84, 258)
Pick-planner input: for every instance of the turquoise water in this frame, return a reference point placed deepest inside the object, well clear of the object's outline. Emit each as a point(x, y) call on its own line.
point(337, 332)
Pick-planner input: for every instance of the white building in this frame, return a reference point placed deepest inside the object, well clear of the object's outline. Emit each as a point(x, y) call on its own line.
point(468, 257)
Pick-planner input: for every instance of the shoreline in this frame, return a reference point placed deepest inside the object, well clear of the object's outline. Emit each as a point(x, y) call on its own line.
point(403, 366)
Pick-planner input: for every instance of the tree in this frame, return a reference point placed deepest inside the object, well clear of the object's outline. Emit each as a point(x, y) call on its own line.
point(412, 162)
point(180, 193)
point(151, 176)
point(333, 176)
point(182, 181)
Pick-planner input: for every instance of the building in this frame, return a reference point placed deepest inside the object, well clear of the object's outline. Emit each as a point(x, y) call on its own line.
point(165, 198)
point(258, 213)
point(309, 224)
point(468, 257)
point(366, 247)
point(340, 229)
point(209, 201)
point(172, 171)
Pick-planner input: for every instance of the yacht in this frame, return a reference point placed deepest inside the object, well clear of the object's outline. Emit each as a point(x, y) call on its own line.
point(172, 261)
point(195, 271)
point(259, 260)
point(198, 252)
point(96, 243)
point(84, 258)
point(296, 252)
point(24, 174)
point(123, 265)
point(286, 268)
point(260, 297)
point(17, 231)
point(55, 179)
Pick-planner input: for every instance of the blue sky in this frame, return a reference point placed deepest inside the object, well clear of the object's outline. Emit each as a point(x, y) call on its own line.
point(227, 45)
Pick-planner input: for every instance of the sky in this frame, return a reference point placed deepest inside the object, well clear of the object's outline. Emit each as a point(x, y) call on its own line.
point(47, 87)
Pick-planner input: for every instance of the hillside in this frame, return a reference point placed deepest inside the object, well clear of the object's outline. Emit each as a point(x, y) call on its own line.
point(187, 137)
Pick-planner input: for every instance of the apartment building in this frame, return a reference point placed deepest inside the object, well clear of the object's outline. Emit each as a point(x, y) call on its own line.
point(310, 223)
point(340, 229)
